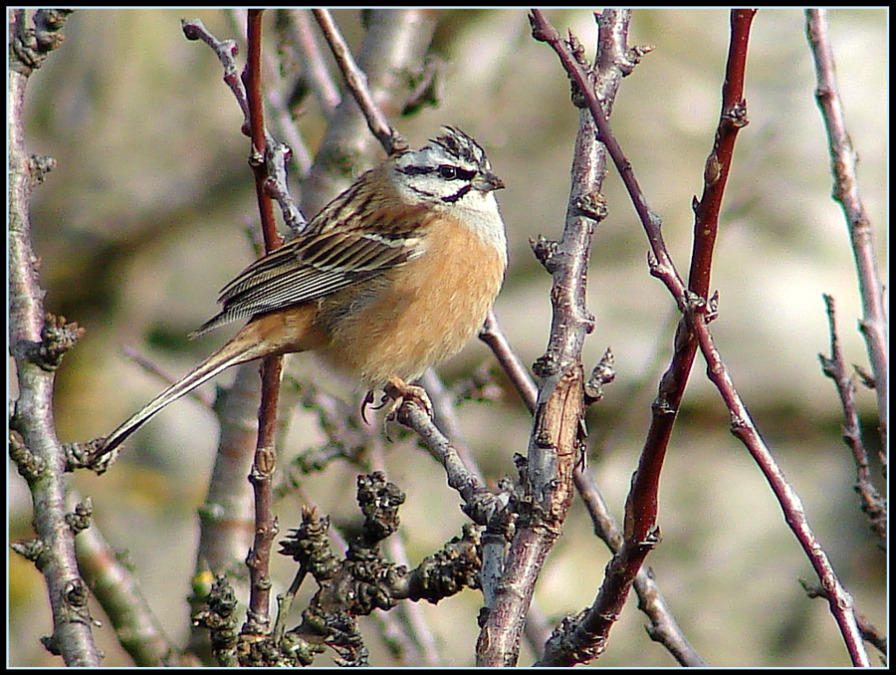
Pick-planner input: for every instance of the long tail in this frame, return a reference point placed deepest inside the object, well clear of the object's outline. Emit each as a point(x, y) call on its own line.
point(238, 350)
point(290, 330)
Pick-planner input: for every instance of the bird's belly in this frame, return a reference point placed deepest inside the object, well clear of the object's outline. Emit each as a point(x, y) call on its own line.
point(412, 317)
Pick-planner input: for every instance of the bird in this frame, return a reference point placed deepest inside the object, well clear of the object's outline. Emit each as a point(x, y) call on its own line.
point(391, 277)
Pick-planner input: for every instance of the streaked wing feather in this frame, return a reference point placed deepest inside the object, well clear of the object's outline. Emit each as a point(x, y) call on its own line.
point(309, 268)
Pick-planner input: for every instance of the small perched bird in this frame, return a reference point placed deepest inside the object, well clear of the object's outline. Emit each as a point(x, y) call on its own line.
point(394, 275)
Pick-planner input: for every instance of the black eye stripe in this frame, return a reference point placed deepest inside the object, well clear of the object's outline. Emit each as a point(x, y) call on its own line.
point(446, 171)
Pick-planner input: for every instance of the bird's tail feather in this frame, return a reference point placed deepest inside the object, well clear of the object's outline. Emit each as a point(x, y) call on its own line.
point(234, 352)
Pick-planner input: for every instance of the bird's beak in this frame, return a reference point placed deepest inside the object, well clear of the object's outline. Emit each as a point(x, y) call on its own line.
point(486, 181)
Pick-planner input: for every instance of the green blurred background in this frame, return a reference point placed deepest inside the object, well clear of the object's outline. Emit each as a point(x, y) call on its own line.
point(143, 221)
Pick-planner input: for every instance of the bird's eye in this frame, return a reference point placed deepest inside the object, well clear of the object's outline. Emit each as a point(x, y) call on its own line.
point(448, 172)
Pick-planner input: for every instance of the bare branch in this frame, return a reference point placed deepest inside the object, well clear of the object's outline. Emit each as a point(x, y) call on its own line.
point(396, 41)
point(846, 191)
point(743, 427)
point(315, 67)
point(123, 601)
point(873, 504)
point(357, 84)
point(513, 366)
point(274, 97)
point(663, 627)
point(273, 156)
point(40, 457)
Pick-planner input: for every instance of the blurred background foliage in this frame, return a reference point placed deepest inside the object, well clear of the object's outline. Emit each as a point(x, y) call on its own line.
point(145, 219)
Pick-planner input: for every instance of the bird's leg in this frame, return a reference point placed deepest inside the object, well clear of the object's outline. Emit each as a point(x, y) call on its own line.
point(400, 391)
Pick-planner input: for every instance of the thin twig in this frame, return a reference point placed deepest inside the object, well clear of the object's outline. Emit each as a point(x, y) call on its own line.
point(277, 105)
point(543, 31)
point(315, 66)
point(395, 41)
point(357, 84)
point(492, 335)
point(846, 191)
point(873, 505)
point(275, 154)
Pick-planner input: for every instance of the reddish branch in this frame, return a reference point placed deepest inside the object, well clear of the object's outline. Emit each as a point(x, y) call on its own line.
point(718, 164)
point(743, 427)
point(640, 527)
point(641, 506)
point(259, 558)
point(268, 159)
point(586, 636)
